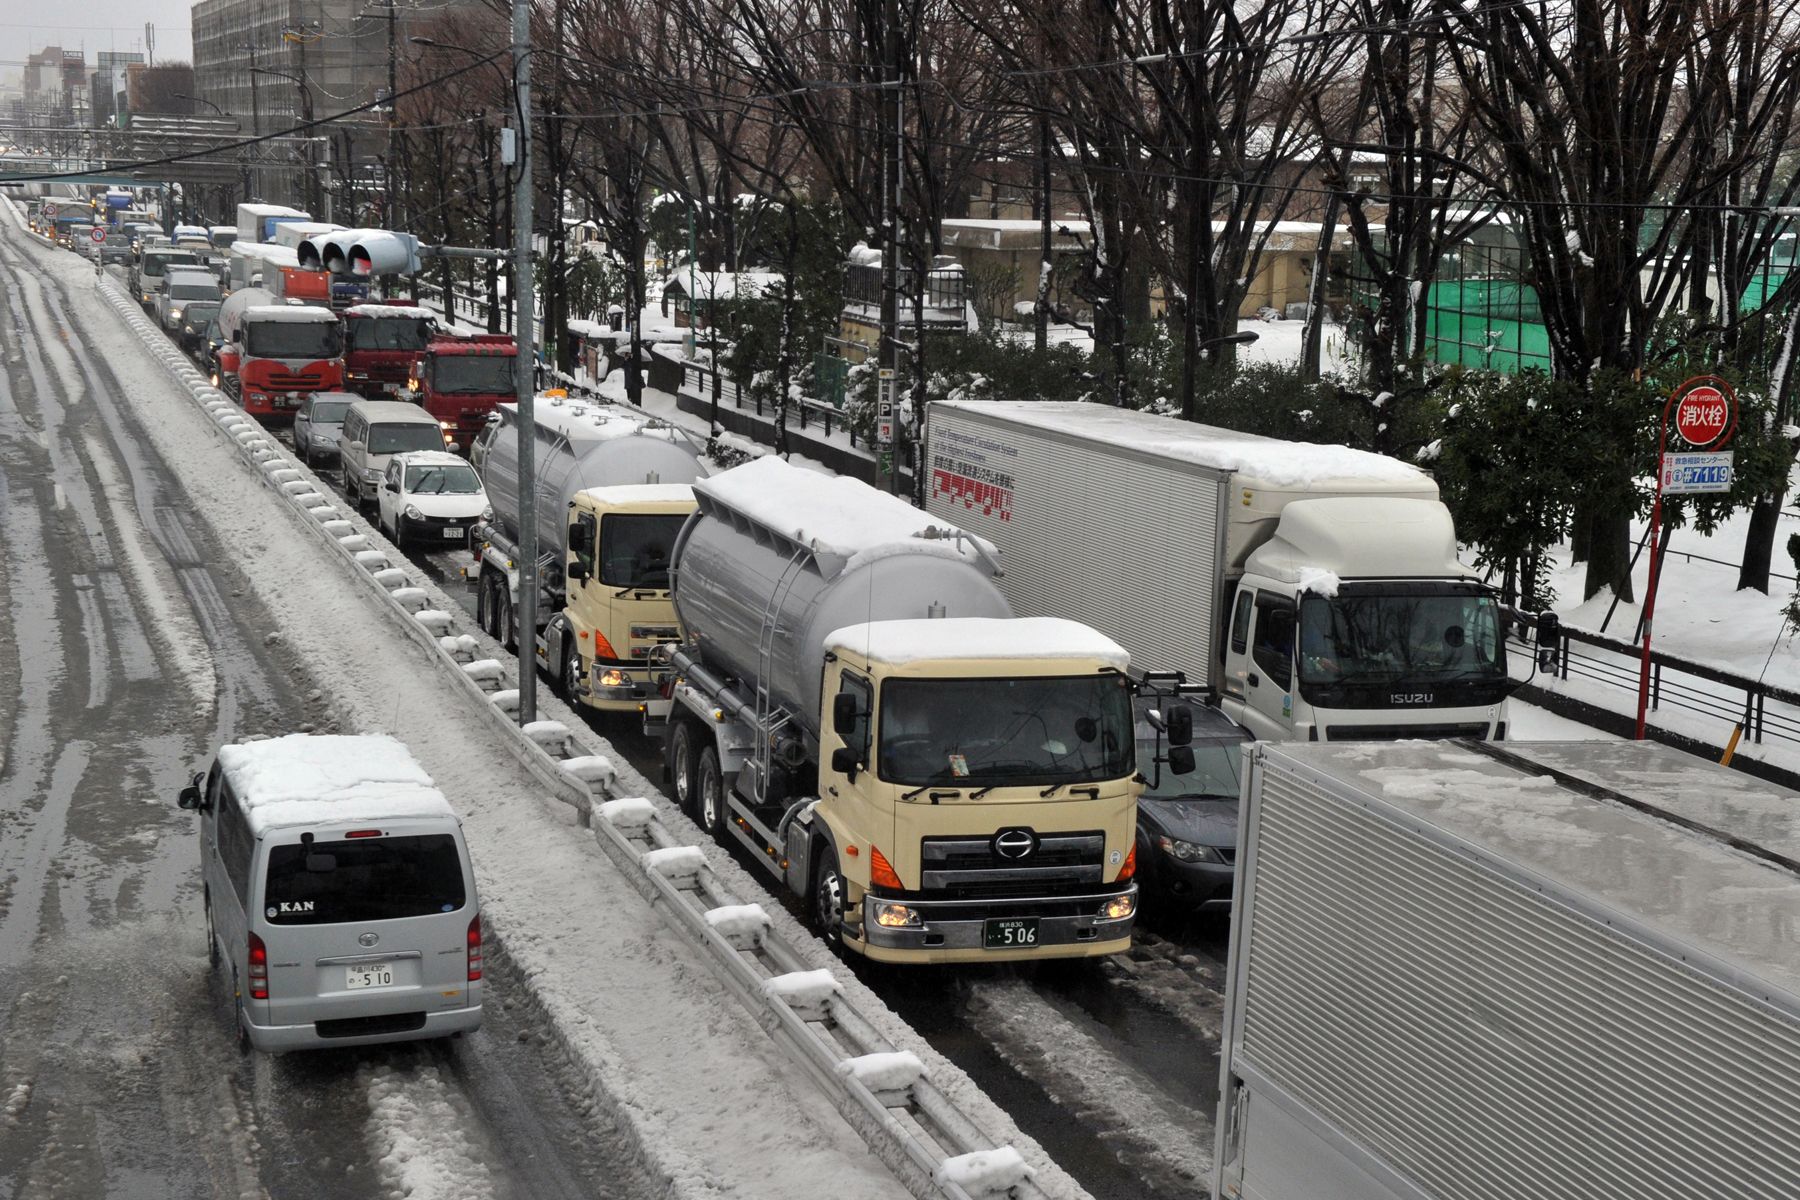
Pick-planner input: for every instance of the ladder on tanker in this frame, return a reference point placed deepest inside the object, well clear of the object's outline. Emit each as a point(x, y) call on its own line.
point(770, 717)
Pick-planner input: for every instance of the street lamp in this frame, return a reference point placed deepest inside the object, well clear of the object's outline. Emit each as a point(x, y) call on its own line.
point(200, 100)
point(524, 381)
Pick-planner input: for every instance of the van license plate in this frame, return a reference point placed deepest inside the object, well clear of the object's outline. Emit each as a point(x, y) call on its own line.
point(453, 532)
point(1013, 933)
point(369, 975)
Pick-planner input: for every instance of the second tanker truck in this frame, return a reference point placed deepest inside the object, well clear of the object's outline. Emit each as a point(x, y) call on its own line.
point(612, 495)
point(855, 703)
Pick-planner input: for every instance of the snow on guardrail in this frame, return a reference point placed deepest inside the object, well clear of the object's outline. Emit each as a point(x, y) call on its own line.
point(917, 1130)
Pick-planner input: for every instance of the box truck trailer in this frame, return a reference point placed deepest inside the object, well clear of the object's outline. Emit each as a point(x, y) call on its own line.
point(856, 705)
point(1317, 588)
point(1467, 970)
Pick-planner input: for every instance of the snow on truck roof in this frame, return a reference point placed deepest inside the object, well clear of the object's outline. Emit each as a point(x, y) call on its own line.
point(588, 421)
point(941, 638)
point(390, 310)
point(311, 779)
point(833, 514)
point(642, 493)
point(1274, 462)
point(290, 314)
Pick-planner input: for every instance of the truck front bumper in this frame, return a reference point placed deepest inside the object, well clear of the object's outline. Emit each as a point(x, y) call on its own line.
point(620, 689)
point(956, 930)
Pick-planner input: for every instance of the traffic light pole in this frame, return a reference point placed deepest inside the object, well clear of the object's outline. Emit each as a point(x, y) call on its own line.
point(525, 382)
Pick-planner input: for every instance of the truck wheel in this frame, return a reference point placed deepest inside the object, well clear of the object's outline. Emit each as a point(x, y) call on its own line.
point(828, 900)
point(569, 681)
point(709, 794)
point(485, 605)
point(681, 766)
point(503, 618)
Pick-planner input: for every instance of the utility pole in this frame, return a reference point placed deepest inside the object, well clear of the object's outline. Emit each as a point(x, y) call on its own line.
point(887, 467)
point(255, 121)
point(388, 213)
point(525, 383)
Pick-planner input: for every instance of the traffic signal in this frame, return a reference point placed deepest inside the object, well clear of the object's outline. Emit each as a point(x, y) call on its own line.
point(360, 252)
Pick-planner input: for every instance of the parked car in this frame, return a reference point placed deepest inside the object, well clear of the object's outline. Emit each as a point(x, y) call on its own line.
point(432, 496)
point(1187, 824)
point(195, 316)
point(318, 423)
point(340, 904)
point(374, 430)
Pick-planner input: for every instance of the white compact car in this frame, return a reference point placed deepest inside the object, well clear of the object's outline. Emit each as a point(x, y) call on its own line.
point(430, 496)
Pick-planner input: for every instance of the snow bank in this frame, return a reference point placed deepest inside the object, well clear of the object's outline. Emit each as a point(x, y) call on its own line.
point(900, 642)
point(743, 925)
point(807, 992)
point(892, 1071)
point(631, 812)
point(423, 1137)
point(675, 862)
point(985, 1172)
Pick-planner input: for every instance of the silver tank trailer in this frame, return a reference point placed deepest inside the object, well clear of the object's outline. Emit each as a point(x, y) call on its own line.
point(579, 446)
point(728, 564)
point(231, 313)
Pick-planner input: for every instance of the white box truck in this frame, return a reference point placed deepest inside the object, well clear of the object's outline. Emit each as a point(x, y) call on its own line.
point(1316, 588)
point(1468, 970)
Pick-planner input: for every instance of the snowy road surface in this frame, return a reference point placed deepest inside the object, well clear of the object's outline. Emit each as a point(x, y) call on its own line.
point(129, 646)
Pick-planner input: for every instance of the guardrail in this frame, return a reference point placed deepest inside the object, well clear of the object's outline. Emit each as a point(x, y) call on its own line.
point(916, 1130)
point(1768, 712)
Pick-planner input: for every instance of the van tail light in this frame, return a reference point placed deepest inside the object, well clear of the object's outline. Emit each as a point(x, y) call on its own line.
point(475, 947)
point(259, 969)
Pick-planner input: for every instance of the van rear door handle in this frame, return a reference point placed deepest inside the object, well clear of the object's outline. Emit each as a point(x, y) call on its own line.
point(1253, 679)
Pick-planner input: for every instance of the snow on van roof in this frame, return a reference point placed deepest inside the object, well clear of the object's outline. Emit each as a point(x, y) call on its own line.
point(937, 639)
point(833, 514)
point(310, 779)
point(290, 314)
point(390, 310)
point(1270, 460)
point(642, 493)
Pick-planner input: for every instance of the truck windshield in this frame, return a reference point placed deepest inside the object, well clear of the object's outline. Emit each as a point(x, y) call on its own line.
point(386, 333)
point(193, 291)
point(483, 374)
point(401, 437)
point(1006, 732)
point(293, 339)
point(455, 480)
point(1425, 633)
point(634, 548)
point(156, 264)
point(373, 879)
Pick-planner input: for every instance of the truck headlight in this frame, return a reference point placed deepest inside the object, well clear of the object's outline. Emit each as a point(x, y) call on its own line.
point(1118, 908)
point(897, 916)
point(1188, 852)
point(613, 677)
point(371, 475)
point(411, 512)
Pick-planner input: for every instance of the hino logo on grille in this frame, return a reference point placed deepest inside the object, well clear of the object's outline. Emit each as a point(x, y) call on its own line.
point(1015, 843)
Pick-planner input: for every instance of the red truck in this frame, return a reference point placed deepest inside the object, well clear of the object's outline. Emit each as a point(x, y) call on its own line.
point(277, 354)
point(459, 380)
point(381, 344)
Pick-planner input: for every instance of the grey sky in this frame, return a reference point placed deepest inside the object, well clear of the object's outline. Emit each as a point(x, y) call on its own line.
point(92, 25)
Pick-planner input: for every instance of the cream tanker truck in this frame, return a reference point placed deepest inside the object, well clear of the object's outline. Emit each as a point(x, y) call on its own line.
point(612, 495)
point(856, 705)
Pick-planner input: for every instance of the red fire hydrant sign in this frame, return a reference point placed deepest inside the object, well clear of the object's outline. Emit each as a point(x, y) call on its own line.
point(1705, 412)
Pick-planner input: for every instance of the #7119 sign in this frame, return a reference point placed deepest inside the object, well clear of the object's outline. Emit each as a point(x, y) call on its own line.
point(1696, 474)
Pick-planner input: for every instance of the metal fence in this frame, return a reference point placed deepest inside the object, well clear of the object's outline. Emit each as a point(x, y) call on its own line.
point(1767, 712)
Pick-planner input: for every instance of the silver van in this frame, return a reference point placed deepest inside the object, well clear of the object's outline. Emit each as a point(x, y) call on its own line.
point(340, 901)
point(375, 430)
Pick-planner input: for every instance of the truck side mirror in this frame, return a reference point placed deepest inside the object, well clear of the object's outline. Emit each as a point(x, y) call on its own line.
point(1179, 722)
point(575, 571)
point(1181, 760)
point(845, 713)
point(845, 762)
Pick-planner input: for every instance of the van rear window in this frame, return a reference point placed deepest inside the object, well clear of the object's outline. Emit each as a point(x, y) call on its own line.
point(370, 879)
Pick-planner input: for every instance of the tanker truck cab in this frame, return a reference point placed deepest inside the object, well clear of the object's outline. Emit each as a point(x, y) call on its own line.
point(1410, 645)
point(617, 609)
point(855, 704)
point(943, 730)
